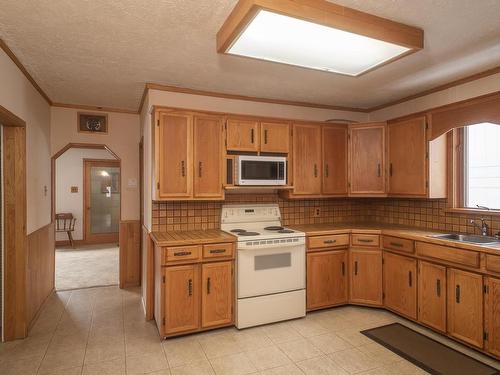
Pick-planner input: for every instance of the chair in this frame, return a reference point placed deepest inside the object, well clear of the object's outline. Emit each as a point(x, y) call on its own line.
point(65, 222)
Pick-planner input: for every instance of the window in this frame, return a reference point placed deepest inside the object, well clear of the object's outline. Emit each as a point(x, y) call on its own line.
point(481, 166)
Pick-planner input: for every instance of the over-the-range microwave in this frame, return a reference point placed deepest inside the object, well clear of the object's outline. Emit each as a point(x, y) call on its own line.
point(260, 170)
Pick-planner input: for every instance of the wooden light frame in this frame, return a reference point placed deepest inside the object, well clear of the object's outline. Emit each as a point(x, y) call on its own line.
point(326, 14)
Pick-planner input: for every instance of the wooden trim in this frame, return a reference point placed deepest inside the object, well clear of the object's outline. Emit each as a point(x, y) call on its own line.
point(21, 67)
point(130, 253)
point(148, 277)
point(143, 98)
point(323, 13)
point(95, 108)
point(473, 211)
point(9, 119)
point(183, 90)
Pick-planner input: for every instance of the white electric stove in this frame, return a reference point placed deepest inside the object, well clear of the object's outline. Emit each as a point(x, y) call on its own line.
point(270, 265)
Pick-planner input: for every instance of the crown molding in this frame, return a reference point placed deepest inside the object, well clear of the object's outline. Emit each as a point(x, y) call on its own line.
point(95, 108)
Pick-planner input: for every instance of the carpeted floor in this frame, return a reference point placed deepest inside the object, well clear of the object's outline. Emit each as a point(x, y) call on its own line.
point(86, 266)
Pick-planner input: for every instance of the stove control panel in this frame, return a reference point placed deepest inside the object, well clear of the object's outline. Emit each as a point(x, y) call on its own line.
point(250, 213)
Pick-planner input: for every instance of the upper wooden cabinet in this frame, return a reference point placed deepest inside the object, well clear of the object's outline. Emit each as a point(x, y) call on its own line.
point(367, 159)
point(208, 164)
point(334, 149)
point(188, 156)
point(306, 159)
point(417, 168)
point(275, 137)
point(242, 135)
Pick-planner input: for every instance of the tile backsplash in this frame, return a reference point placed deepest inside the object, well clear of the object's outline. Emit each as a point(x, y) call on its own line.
point(420, 213)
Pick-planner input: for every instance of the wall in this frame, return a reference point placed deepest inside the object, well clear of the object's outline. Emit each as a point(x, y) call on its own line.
point(68, 173)
point(123, 139)
point(19, 96)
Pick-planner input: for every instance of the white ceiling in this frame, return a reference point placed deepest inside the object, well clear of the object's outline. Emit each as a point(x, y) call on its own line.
point(97, 52)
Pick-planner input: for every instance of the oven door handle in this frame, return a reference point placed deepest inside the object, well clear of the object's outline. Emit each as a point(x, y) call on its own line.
point(277, 246)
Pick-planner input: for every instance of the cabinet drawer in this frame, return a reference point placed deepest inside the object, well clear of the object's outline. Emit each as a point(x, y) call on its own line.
point(365, 240)
point(398, 244)
point(448, 254)
point(181, 254)
point(334, 240)
point(218, 250)
point(493, 263)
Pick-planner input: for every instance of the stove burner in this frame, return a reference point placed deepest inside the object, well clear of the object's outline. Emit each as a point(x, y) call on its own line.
point(285, 231)
point(248, 233)
point(274, 227)
point(238, 230)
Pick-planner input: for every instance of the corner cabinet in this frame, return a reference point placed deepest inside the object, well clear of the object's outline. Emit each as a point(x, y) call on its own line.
point(417, 167)
point(367, 175)
point(188, 156)
point(365, 270)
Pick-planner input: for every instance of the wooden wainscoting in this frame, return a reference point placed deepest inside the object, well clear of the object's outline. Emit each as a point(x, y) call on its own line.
point(39, 270)
point(148, 277)
point(130, 253)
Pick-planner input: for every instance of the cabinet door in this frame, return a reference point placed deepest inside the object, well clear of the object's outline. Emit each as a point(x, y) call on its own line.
point(367, 159)
point(407, 157)
point(307, 159)
point(465, 306)
point(217, 294)
point(207, 132)
point(400, 284)
point(432, 295)
point(334, 147)
point(174, 149)
point(365, 268)
point(492, 316)
point(182, 298)
point(326, 278)
point(274, 137)
point(242, 135)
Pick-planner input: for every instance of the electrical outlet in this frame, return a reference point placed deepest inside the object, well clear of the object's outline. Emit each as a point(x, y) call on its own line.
point(316, 212)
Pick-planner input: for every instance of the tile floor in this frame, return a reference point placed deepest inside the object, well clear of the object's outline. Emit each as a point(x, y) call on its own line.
point(102, 331)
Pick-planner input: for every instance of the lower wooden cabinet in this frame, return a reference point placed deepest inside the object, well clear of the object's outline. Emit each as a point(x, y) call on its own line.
point(432, 295)
point(465, 306)
point(492, 315)
point(365, 270)
point(326, 278)
point(400, 284)
point(216, 294)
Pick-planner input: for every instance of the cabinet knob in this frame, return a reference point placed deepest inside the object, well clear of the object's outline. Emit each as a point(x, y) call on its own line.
point(200, 166)
point(251, 136)
point(438, 287)
point(355, 268)
point(457, 294)
point(208, 285)
point(190, 287)
point(410, 279)
point(265, 136)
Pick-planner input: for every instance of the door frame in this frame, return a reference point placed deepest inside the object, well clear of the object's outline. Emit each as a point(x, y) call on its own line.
point(88, 238)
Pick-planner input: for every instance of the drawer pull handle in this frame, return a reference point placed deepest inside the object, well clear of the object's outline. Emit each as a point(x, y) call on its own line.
point(217, 251)
point(457, 293)
point(190, 287)
point(329, 241)
point(251, 136)
point(343, 268)
point(265, 136)
point(364, 240)
point(183, 168)
point(208, 285)
point(355, 267)
point(182, 253)
point(410, 279)
point(438, 287)
point(396, 244)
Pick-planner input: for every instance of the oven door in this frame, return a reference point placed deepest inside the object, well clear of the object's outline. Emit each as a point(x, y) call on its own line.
point(261, 170)
point(274, 269)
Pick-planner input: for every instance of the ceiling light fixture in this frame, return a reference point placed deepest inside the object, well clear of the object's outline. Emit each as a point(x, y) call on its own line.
point(315, 34)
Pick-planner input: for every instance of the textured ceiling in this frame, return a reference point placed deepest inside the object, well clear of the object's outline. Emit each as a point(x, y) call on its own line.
point(97, 52)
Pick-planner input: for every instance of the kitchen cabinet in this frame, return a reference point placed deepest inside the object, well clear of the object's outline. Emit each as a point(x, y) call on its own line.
point(242, 135)
point(208, 163)
point(465, 306)
point(400, 284)
point(432, 295)
point(334, 150)
point(367, 159)
point(174, 155)
point(326, 278)
point(492, 315)
point(306, 159)
point(275, 137)
point(217, 296)
point(417, 167)
point(365, 270)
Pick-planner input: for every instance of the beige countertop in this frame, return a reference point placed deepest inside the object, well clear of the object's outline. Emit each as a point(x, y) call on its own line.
point(191, 237)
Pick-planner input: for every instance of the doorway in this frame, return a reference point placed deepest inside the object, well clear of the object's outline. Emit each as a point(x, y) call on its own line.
point(87, 203)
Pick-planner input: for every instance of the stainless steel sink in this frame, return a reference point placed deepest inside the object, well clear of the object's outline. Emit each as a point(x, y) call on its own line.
point(480, 240)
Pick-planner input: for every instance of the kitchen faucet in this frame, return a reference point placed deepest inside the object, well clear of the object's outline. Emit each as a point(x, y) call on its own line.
point(484, 227)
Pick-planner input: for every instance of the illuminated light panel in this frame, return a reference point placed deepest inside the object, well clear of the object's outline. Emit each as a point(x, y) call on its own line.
point(274, 37)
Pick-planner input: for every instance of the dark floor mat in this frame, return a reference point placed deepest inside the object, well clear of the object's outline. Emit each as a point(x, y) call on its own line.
point(428, 354)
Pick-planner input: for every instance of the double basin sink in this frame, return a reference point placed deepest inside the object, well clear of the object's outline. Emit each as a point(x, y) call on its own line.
point(468, 238)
